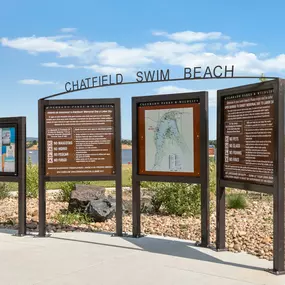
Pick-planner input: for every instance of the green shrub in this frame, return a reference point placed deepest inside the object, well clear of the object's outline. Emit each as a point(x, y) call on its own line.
point(32, 179)
point(212, 177)
point(65, 190)
point(72, 218)
point(179, 198)
point(236, 201)
point(175, 198)
point(4, 190)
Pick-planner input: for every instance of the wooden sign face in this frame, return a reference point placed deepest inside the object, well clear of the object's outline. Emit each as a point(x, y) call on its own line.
point(248, 130)
point(79, 140)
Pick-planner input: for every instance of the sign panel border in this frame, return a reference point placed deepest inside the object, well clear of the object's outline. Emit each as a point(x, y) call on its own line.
point(12, 125)
point(221, 94)
point(117, 136)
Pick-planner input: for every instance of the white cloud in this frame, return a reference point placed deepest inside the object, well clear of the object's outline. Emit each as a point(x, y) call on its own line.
point(171, 89)
point(94, 67)
point(264, 54)
point(36, 82)
point(186, 48)
point(159, 33)
point(63, 47)
point(68, 30)
point(108, 69)
point(234, 46)
point(168, 48)
point(190, 36)
point(121, 56)
point(55, 64)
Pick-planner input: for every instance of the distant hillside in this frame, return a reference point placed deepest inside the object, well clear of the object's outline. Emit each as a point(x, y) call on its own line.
point(30, 139)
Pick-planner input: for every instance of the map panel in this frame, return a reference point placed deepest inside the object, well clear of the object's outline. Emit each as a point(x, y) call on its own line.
point(169, 140)
point(169, 137)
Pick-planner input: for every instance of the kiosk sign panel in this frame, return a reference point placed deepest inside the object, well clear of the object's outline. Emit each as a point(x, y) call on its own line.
point(79, 140)
point(7, 149)
point(169, 141)
point(248, 137)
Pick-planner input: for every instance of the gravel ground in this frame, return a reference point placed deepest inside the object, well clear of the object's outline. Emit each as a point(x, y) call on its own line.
point(249, 230)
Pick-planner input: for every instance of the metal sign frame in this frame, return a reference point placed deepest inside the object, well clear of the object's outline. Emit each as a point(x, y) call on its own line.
point(277, 189)
point(203, 179)
point(117, 177)
point(19, 176)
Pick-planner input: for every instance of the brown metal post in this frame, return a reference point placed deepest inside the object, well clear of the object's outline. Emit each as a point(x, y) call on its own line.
point(118, 154)
point(22, 175)
point(220, 191)
point(205, 195)
point(41, 152)
point(220, 218)
point(278, 194)
point(136, 192)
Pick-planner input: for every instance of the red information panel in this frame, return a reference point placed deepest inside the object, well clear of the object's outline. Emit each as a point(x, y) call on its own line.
point(79, 140)
point(248, 137)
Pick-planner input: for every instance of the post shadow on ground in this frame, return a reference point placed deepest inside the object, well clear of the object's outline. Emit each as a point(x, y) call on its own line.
point(170, 247)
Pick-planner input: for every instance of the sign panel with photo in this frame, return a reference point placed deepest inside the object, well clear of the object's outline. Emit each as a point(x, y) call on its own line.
point(8, 147)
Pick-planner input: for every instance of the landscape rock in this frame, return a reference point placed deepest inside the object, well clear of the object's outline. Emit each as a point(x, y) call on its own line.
point(83, 195)
point(256, 223)
point(32, 226)
point(101, 210)
point(242, 233)
point(146, 205)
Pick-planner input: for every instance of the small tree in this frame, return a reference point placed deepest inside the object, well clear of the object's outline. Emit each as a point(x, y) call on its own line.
point(32, 179)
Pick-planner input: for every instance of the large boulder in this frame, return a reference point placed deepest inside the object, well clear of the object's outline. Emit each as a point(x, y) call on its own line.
point(83, 195)
point(101, 210)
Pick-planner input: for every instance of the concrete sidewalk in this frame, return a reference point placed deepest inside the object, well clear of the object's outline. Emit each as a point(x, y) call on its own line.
point(93, 258)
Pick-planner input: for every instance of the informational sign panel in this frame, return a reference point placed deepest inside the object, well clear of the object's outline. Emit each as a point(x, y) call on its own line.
point(248, 137)
point(13, 161)
point(169, 137)
point(79, 140)
point(7, 149)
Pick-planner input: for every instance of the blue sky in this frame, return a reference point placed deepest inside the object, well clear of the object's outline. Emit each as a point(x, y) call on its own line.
point(43, 45)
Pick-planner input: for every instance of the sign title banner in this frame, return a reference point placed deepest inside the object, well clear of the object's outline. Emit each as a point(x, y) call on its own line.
point(158, 75)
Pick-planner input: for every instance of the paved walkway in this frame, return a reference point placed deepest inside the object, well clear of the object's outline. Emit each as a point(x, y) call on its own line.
point(89, 258)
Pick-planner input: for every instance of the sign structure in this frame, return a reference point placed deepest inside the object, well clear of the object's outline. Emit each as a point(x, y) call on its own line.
point(169, 133)
point(170, 144)
point(79, 140)
point(250, 152)
point(13, 161)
